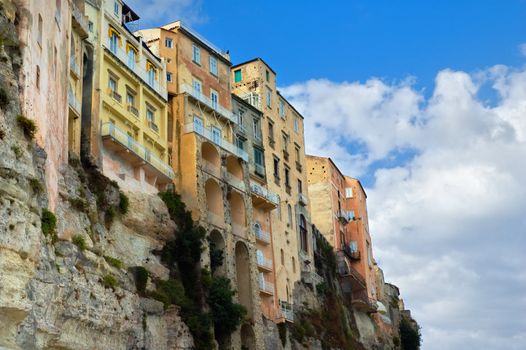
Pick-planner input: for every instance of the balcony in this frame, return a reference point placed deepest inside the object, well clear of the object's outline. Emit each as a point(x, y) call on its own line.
point(136, 68)
point(135, 153)
point(74, 67)
point(266, 287)
point(311, 277)
point(214, 106)
point(345, 216)
point(302, 199)
point(264, 263)
point(286, 311)
point(234, 181)
point(133, 110)
point(362, 302)
point(253, 99)
point(263, 197)
point(215, 220)
point(73, 102)
point(351, 251)
point(207, 134)
point(261, 235)
point(80, 22)
point(153, 126)
point(211, 168)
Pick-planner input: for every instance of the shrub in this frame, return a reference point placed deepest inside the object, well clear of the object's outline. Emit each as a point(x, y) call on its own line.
point(36, 186)
point(48, 222)
point(79, 204)
point(321, 288)
point(114, 262)
point(109, 281)
point(410, 336)
point(282, 329)
point(110, 216)
point(396, 341)
point(79, 241)
point(28, 126)
point(17, 151)
point(4, 98)
point(141, 279)
point(124, 203)
point(226, 314)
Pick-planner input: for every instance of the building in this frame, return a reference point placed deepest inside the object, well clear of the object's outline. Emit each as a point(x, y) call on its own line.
point(249, 137)
point(53, 76)
point(255, 82)
point(213, 173)
point(130, 101)
point(339, 211)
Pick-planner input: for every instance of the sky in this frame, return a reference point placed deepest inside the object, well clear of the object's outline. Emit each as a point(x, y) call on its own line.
point(425, 101)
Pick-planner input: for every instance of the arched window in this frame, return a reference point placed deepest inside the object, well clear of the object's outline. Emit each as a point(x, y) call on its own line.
point(303, 234)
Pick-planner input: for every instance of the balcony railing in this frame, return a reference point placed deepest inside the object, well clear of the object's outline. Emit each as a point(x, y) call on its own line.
point(73, 65)
point(73, 101)
point(109, 129)
point(302, 199)
point(187, 89)
point(260, 169)
point(261, 235)
point(191, 127)
point(137, 68)
point(287, 310)
point(133, 110)
point(266, 287)
point(153, 126)
point(211, 168)
point(234, 181)
point(264, 262)
point(215, 219)
point(253, 99)
point(263, 192)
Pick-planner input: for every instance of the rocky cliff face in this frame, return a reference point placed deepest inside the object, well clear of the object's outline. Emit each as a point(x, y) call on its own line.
point(55, 294)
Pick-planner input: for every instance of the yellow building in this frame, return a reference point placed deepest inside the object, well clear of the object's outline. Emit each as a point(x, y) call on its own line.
point(255, 82)
point(131, 100)
point(212, 169)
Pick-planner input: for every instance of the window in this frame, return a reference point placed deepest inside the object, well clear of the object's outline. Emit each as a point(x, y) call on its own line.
point(198, 124)
point(132, 56)
point(168, 43)
point(90, 26)
point(269, 98)
point(40, 29)
point(197, 87)
point(114, 41)
point(240, 143)
point(282, 254)
point(289, 212)
point(213, 65)
point(267, 75)
point(300, 186)
point(257, 130)
point(38, 77)
point(276, 168)
point(296, 125)
point(258, 156)
point(348, 192)
point(350, 214)
point(285, 141)
point(216, 135)
point(297, 152)
point(241, 120)
point(196, 54)
point(130, 99)
point(169, 77)
point(214, 97)
point(293, 265)
point(151, 75)
point(287, 178)
point(237, 76)
point(116, 8)
point(112, 84)
point(271, 130)
point(282, 109)
point(150, 116)
point(303, 234)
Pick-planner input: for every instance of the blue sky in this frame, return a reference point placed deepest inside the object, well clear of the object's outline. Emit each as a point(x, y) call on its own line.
point(425, 101)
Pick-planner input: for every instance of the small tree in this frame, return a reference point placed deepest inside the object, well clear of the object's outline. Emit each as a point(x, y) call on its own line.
point(410, 336)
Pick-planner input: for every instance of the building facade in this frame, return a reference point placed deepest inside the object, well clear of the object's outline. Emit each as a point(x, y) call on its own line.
point(255, 82)
point(213, 172)
point(53, 44)
point(130, 100)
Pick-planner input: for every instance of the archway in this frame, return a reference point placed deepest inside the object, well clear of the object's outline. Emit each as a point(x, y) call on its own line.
point(244, 291)
point(233, 166)
point(238, 212)
point(217, 253)
point(214, 202)
point(248, 338)
point(210, 154)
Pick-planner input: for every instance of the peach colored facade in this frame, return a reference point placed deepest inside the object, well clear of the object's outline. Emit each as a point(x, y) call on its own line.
point(51, 35)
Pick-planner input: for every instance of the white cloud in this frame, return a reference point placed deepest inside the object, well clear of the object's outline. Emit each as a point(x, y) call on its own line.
point(522, 49)
point(153, 12)
point(448, 224)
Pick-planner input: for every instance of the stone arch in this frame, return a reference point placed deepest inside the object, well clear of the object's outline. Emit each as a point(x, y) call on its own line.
point(217, 253)
point(244, 288)
point(248, 338)
point(234, 168)
point(214, 202)
point(210, 154)
point(237, 207)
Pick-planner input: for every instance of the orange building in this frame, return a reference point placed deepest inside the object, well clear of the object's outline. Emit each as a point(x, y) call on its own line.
point(339, 211)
